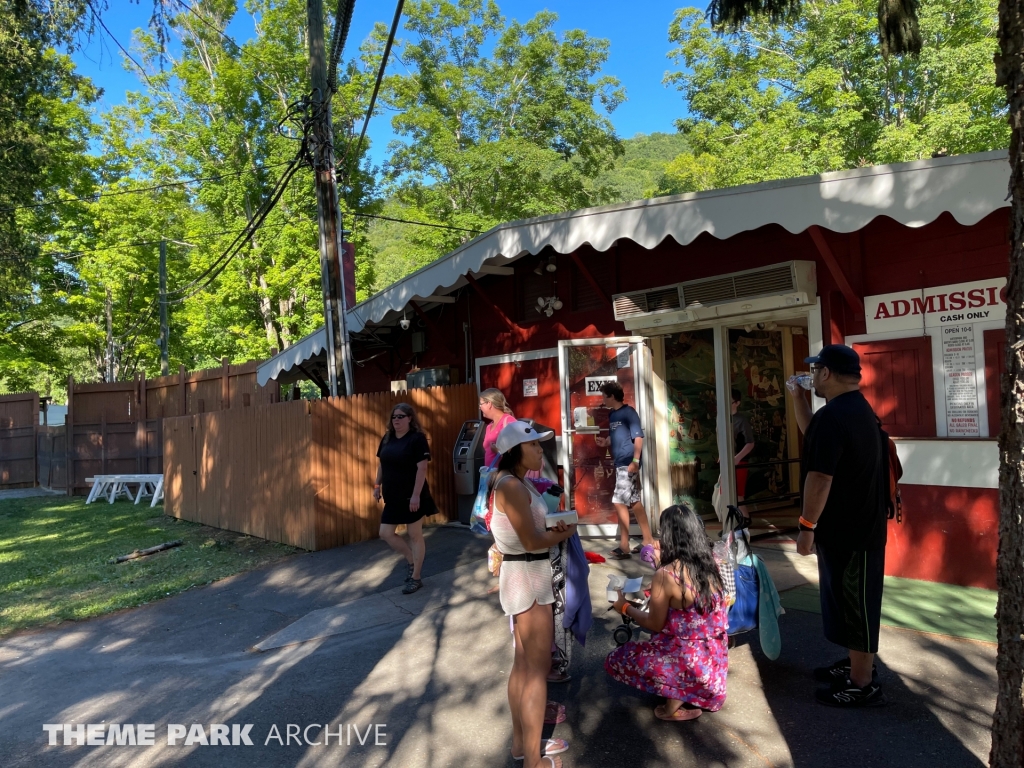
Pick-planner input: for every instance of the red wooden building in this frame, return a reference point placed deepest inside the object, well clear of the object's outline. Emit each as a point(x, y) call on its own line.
point(685, 298)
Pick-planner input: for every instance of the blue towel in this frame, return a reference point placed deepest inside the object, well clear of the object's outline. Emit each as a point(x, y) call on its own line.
point(769, 609)
point(578, 611)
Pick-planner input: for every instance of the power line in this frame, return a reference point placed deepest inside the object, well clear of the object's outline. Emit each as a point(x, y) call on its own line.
point(342, 22)
point(418, 223)
point(208, 23)
point(118, 43)
point(68, 255)
point(221, 262)
point(140, 190)
point(380, 74)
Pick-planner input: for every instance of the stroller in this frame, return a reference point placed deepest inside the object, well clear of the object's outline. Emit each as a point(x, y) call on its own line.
point(623, 633)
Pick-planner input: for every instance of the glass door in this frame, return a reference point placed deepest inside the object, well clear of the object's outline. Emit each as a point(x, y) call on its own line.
point(585, 365)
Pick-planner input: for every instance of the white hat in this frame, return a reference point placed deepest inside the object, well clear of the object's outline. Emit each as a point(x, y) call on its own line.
point(516, 433)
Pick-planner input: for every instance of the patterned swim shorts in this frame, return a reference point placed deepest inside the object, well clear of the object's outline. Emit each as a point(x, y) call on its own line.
point(627, 487)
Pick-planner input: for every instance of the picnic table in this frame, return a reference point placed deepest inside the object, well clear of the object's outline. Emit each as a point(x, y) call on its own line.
point(112, 486)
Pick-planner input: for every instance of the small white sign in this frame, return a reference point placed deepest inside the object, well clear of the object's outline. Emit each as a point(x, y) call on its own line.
point(977, 302)
point(961, 385)
point(622, 357)
point(594, 384)
point(529, 387)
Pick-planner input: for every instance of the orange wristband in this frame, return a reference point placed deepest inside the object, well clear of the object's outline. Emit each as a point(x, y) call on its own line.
point(625, 607)
point(808, 523)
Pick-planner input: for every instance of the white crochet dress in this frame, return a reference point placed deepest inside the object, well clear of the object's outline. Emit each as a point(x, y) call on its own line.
point(522, 583)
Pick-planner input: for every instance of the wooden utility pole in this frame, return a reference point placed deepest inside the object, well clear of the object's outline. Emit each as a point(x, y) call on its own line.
point(339, 368)
point(163, 308)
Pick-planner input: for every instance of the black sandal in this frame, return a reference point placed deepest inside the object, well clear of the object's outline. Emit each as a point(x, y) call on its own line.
point(618, 554)
point(411, 586)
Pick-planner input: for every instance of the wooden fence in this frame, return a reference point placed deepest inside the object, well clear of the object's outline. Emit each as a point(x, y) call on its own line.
point(117, 427)
point(302, 472)
point(51, 457)
point(19, 422)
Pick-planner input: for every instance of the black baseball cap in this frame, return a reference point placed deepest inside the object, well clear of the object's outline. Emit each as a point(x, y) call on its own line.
point(838, 358)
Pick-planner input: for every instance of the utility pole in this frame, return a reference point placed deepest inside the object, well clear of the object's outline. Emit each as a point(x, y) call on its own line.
point(110, 339)
point(163, 308)
point(339, 368)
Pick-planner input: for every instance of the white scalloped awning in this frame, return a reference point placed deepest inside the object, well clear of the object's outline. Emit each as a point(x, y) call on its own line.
point(969, 187)
point(298, 353)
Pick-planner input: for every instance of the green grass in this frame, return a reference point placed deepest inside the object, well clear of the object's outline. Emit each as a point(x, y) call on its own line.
point(55, 557)
point(927, 606)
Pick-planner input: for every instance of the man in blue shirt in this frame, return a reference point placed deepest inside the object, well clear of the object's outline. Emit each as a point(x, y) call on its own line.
point(626, 438)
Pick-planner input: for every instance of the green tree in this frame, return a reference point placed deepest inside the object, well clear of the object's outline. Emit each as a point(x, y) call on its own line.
point(640, 171)
point(224, 113)
point(499, 120)
point(814, 93)
point(44, 133)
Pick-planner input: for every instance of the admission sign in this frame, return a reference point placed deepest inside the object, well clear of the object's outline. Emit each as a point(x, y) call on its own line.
point(950, 313)
point(978, 302)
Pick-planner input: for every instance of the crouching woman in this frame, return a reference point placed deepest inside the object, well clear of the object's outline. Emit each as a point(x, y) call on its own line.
point(686, 659)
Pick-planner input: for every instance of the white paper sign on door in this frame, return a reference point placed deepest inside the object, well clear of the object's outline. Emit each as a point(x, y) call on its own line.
point(529, 387)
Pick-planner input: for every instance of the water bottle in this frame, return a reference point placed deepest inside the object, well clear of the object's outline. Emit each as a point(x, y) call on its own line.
point(804, 380)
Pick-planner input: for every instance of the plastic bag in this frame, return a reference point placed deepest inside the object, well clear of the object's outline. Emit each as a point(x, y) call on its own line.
point(478, 518)
point(494, 558)
point(726, 561)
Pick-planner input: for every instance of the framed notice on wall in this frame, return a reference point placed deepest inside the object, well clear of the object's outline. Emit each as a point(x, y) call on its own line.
point(959, 364)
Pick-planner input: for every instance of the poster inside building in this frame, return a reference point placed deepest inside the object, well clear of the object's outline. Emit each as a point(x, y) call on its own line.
point(757, 372)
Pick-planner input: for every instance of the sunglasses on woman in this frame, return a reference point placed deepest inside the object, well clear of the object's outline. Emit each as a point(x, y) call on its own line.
point(399, 416)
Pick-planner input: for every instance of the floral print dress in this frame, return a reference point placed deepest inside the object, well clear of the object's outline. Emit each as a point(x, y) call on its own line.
point(687, 660)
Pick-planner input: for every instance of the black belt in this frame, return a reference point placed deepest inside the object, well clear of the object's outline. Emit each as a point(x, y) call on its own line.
point(528, 557)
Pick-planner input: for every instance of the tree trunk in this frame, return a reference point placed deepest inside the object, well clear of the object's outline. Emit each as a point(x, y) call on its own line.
point(1008, 722)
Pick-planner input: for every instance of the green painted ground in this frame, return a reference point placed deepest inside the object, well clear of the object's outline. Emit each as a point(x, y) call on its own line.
point(922, 605)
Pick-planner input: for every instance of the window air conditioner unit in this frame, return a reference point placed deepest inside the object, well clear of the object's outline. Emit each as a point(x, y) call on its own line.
point(779, 286)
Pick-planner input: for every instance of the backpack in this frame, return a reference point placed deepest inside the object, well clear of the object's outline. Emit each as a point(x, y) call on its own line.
point(893, 502)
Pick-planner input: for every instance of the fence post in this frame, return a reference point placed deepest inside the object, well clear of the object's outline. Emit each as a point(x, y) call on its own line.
point(69, 439)
point(103, 442)
point(35, 438)
point(182, 392)
point(141, 461)
point(225, 384)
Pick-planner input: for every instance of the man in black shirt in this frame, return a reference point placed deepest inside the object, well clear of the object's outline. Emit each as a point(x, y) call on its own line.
point(844, 485)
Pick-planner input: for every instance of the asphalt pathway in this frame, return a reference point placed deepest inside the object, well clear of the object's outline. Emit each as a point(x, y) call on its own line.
point(420, 679)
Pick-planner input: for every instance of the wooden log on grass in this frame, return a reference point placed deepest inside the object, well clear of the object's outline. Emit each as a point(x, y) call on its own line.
point(143, 552)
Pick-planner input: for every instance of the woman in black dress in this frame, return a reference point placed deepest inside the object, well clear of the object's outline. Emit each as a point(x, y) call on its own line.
point(402, 481)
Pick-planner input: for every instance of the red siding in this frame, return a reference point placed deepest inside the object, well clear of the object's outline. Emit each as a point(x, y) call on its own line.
point(509, 377)
point(948, 535)
point(995, 367)
point(897, 381)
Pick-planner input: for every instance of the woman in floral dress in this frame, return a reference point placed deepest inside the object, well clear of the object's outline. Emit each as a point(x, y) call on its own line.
point(686, 659)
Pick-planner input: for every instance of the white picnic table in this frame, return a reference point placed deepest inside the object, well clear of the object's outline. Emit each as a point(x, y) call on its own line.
point(112, 486)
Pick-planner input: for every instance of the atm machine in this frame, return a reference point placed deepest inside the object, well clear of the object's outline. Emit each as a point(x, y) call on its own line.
point(468, 456)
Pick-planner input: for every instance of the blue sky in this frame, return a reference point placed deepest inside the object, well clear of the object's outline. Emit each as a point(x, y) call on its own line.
point(639, 43)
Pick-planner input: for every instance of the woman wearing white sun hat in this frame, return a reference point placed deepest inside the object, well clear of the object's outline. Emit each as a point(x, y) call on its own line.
point(526, 595)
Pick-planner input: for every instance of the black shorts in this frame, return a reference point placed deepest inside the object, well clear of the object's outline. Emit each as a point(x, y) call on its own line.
point(850, 583)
